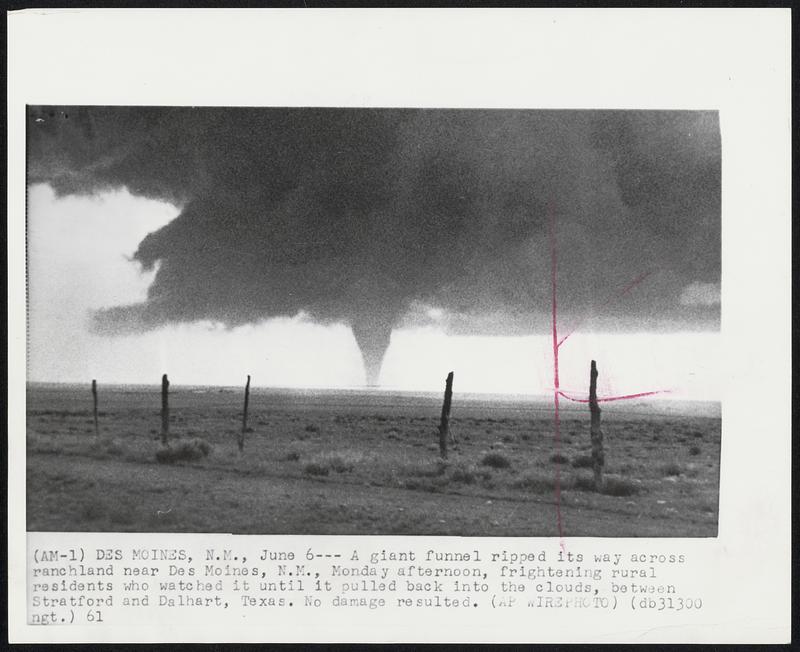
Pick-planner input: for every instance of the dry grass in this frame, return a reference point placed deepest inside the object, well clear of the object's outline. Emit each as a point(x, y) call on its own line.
point(183, 450)
point(496, 461)
point(535, 483)
point(613, 486)
point(341, 462)
point(362, 455)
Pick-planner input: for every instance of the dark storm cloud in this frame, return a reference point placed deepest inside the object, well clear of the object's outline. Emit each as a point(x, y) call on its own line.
point(368, 216)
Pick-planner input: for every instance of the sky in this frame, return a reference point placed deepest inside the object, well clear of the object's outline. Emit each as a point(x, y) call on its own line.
point(302, 246)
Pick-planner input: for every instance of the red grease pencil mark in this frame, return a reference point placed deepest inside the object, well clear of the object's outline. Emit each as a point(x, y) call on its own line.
point(614, 398)
point(556, 344)
point(608, 302)
point(557, 393)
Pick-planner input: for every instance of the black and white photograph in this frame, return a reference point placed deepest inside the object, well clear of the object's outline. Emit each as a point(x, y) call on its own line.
point(399, 325)
point(373, 321)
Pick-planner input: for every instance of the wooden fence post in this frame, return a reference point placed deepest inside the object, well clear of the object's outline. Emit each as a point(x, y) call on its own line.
point(598, 456)
point(444, 424)
point(244, 414)
point(94, 396)
point(164, 409)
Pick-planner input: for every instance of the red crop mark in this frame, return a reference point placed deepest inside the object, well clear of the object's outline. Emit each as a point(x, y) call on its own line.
point(556, 345)
point(609, 301)
point(557, 393)
point(614, 398)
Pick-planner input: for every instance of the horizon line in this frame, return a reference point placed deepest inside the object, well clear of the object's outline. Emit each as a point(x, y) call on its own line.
point(351, 388)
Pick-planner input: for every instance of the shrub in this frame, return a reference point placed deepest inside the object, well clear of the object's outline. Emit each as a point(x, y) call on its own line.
point(111, 446)
point(292, 456)
point(583, 483)
point(340, 464)
point(619, 487)
point(315, 468)
point(583, 462)
point(312, 428)
point(462, 474)
point(558, 458)
point(496, 461)
point(421, 485)
point(183, 450)
point(671, 469)
point(429, 470)
point(535, 483)
point(694, 450)
point(203, 445)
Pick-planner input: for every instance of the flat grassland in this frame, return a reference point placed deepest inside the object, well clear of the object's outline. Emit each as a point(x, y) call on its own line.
point(364, 462)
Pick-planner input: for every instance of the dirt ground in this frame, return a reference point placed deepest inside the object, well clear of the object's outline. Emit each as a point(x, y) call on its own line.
point(364, 463)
